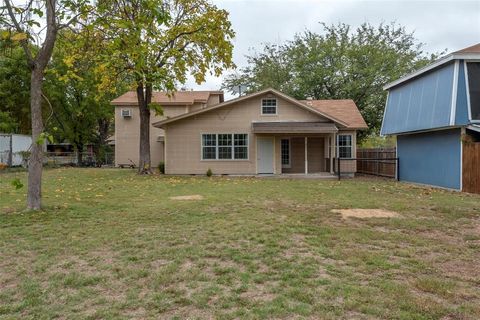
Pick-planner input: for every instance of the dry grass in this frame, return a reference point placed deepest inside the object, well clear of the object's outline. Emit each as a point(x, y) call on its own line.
point(366, 213)
point(111, 244)
point(191, 197)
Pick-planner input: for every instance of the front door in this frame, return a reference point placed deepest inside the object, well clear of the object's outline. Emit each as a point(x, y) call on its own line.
point(265, 155)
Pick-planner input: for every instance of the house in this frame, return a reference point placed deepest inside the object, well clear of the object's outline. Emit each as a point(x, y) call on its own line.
point(127, 121)
point(435, 115)
point(266, 132)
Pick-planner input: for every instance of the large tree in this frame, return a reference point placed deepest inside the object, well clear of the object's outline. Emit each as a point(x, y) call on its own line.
point(159, 43)
point(82, 113)
point(338, 63)
point(38, 22)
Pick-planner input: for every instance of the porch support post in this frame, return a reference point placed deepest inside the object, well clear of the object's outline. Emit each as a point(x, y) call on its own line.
point(332, 146)
point(306, 155)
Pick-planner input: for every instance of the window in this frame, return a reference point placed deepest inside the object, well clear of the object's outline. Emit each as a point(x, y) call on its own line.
point(285, 153)
point(344, 145)
point(225, 146)
point(269, 106)
point(209, 146)
point(473, 70)
point(240, 146)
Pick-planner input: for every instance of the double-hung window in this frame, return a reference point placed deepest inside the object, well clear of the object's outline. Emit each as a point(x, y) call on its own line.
point(240, 146)
point(225, 146)
point(269, 106)
point(344, 145)
point(209, 146)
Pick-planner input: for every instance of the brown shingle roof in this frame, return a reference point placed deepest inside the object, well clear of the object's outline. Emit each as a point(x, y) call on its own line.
point(178, 98)
point(472, 49)
point(345, 110)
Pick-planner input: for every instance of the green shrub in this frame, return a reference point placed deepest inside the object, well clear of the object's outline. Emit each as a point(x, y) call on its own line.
point(161, 167)
point(209, 172)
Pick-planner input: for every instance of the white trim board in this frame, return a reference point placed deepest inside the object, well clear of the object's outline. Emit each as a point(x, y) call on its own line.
point(384, 113)
point(467, 88)
point(439, 62)
point(453, 107)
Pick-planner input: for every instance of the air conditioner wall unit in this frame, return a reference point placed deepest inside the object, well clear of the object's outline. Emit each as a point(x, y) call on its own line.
point(126, 113)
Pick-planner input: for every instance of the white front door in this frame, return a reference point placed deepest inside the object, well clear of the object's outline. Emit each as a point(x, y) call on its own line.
point(265, 155)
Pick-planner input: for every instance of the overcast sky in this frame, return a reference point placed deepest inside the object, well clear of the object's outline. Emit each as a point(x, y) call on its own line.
point(440, 25)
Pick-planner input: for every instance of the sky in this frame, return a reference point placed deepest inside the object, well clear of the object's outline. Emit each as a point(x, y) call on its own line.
point(441, 25)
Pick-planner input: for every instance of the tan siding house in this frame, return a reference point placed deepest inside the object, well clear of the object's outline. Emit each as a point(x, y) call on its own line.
point(266, 132)
point(127, 122)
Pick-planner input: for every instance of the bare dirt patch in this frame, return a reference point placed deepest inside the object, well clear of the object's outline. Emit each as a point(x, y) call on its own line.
point(366, 213)
point(189, 197)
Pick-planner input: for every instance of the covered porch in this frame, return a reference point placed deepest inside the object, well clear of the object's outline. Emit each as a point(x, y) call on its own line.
point(290, 148)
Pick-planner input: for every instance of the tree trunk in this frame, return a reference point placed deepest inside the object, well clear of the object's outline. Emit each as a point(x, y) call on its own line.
point(79, 148)
point(103, 126)
point(35, 162)
point(144, 97)
point(37, 65)
point(101, 142)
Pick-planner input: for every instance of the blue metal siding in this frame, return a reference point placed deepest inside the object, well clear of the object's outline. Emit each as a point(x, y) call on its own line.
point(420, 104)
point(432, 158)
point(461, 112)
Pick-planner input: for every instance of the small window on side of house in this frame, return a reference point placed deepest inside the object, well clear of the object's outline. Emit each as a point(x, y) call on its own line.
point(344, 146)
point(269, 106)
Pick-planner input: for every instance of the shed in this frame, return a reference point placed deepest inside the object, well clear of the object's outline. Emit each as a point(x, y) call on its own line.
point(11, 148)
point(435, 115)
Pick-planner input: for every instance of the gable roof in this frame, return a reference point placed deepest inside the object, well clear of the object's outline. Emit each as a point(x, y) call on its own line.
point(177, 98)
point(336, 117)
point(346, 110)
point(469, 53)
point(472, 49)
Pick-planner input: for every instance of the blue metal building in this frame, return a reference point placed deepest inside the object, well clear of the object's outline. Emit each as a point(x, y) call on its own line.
point(432, 112)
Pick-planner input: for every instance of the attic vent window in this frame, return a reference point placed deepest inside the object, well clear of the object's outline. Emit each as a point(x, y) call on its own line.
point(269, 106)
point(126, 113)
point(473, 69)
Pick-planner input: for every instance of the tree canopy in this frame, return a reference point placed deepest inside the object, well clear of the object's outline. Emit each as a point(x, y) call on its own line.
point(337, 63)
point(156, 44)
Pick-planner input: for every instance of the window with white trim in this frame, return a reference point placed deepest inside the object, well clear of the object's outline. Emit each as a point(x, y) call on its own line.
point(285, 151)
point(240, 146)
point(225, 146)
point(209, 146)
point(269, 106)
point(344, 146)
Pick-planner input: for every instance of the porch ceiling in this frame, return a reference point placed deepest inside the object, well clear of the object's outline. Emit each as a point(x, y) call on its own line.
point(293, 127)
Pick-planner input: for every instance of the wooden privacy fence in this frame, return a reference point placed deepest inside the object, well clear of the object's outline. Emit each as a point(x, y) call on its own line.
point(471, 167)
point(383, 162)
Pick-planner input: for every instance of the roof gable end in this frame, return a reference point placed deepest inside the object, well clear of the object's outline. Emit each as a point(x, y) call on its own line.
point(249, 96)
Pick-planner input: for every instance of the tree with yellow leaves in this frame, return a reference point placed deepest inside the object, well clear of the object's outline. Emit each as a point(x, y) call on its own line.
point(158, 44)
point(35, 24)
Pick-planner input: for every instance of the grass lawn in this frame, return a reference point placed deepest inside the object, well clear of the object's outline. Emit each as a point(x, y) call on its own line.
point(111, 244)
